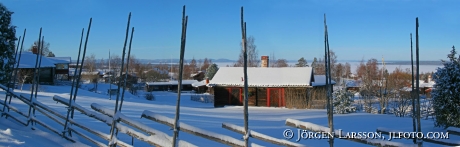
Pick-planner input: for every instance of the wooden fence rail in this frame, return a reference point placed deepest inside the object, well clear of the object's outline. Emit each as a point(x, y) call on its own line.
point(156, 138)
point(224, 139)
point(260, 136)
point(35, 104)
point(105, 119)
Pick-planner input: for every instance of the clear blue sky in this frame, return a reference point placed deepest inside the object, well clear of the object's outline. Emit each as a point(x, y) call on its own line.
point(291, 29)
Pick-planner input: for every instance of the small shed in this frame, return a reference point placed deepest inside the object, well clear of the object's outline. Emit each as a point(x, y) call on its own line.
point(291, 87)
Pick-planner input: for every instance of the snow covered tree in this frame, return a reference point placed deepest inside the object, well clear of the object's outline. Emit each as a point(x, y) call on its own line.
point(446, 92)
point(211, 71)
point(7, 37)
point(342, 101)
point(302, 63)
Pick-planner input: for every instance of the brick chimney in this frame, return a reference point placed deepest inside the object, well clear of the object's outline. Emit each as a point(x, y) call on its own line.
point(35, 49)
point(264, 61)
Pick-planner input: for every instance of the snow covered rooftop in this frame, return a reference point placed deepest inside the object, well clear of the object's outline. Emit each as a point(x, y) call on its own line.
point(60, 60)
point(320, 80)
point(28, 60)
point(184, 82)
point(264, 77)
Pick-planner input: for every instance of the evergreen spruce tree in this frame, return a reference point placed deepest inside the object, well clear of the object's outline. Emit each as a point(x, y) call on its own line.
point(7, 45)
point(211, 71)
point(302, 63)
point(446, 92)
point(342, 101)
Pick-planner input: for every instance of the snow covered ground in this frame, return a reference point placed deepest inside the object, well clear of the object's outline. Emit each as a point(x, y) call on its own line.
point(268, 121)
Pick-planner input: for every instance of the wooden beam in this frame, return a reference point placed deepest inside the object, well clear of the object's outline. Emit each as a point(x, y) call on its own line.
point(224, 139)
point(256, 135)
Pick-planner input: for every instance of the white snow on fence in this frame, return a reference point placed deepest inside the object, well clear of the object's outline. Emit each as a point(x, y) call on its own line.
point(188, 128)
point(262, 136)
point(156, 136)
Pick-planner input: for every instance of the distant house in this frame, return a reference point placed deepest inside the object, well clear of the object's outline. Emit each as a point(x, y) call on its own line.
point(169, 86)
point(27, 65)
point(353, 85)
point(426, 86)
point(291, 87)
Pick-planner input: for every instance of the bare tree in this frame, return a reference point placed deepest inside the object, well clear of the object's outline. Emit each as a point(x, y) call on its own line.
point(281, 63)
point(115, 65)
point(368, 74)
point(253, 57)
point(206, 63)
point(46, 48)
point(193, 65)
point(90, 63)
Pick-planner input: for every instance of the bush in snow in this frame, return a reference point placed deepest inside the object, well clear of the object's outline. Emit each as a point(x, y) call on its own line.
point(7, 45)
point(446, 92)
point(149, 96)
point(342, 102)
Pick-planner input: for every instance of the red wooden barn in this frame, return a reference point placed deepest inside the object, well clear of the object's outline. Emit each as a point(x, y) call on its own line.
point(291, 87)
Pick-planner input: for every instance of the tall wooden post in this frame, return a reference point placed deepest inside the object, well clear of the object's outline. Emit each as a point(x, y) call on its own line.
point(414, 123)
point(34, 76)
point(112, 129)
point(181, 67)
point(419, 127)
point(245, 72)
point(81, 66)
point(127, 69)
point(69, 109)
point(17, 65)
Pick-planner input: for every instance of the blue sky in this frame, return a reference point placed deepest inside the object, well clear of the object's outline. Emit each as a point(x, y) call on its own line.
point(290, 29)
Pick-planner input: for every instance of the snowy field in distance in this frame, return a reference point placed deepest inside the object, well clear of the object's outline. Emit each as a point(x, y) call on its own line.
point(269, 121)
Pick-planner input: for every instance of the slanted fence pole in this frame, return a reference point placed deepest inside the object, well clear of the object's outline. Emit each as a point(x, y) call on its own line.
point(181, 66)
point(17, 66)
point(414, 123)
point(419, 127)
point(245, 72)
point(81, 67)
point(127, 69)
point(38, 77)
point(331, 99)
point(11, 75)
point(69, 109)
point(34, 79)
point(112, 129)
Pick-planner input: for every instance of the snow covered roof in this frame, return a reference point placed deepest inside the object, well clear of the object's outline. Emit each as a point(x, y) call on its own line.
point(353, 83)
point(184, 82)
point(198, 84)
point(427, 85)
point(264, 77)
point(60, 60)
point(28, 60)
point(320, 80)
